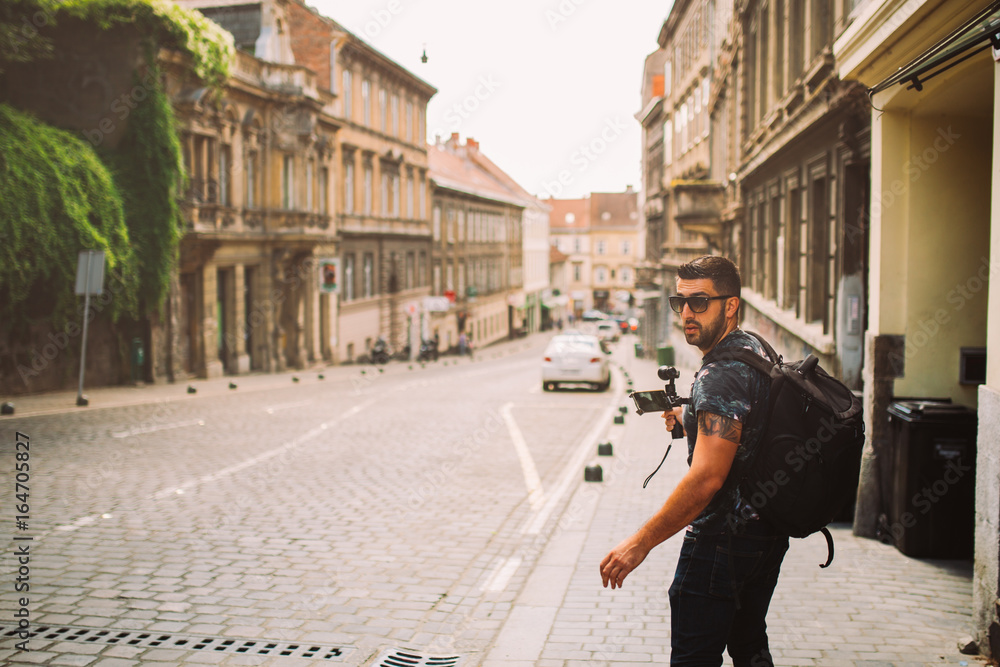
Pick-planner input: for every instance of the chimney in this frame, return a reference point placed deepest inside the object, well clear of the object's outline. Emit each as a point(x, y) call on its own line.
point(471, 144)
point(453, 142)
point(628, 189)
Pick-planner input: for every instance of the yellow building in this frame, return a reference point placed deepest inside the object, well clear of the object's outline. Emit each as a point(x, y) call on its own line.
point(934, 322)
point(477, 231)
point(600, 235)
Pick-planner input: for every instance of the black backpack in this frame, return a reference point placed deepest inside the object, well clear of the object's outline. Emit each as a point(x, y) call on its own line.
point(806, 467)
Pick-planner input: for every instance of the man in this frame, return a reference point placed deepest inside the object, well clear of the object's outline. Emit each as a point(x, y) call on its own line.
point(729, 559)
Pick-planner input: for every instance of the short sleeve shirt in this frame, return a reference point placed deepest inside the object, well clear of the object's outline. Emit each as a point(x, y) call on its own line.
point(734, 390)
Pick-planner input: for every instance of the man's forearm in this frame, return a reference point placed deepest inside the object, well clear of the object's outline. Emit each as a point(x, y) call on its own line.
point(684, 504)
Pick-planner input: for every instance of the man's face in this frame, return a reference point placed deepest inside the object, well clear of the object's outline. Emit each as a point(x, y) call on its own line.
point(703, 330)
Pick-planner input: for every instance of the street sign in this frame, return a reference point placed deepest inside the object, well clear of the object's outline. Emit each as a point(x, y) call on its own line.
point(90, 273)
point(89, 282)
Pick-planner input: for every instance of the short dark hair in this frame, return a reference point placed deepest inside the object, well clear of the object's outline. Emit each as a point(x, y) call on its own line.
point(723, 273)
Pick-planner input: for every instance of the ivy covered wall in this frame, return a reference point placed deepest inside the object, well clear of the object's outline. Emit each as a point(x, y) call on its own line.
point(106, 178)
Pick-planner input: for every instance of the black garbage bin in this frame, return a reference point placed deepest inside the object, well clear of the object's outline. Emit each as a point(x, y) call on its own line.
point(932, 499)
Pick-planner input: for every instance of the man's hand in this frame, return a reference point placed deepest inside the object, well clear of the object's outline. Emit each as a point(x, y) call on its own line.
point(623, 559)
point(670, 417)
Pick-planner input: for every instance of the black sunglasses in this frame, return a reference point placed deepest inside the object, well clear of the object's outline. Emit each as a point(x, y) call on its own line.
point(697, 304)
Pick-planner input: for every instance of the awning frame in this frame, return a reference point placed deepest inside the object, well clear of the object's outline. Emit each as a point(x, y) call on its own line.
point(979, 33)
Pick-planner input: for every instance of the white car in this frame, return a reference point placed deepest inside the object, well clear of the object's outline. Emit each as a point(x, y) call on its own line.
point(575, 359)
point(608, 331)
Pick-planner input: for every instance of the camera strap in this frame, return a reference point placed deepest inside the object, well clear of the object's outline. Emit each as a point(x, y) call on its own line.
point(669, 445)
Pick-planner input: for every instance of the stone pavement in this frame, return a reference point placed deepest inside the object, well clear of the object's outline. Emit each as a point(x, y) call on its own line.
point(873, 607)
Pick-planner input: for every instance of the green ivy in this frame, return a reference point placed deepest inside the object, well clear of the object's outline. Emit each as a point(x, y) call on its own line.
point(58, 198)
point(148, 170)
point(60, 195)
point(210, 46)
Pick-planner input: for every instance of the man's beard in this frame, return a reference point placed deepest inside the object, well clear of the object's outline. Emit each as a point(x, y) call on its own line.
point(707, 334)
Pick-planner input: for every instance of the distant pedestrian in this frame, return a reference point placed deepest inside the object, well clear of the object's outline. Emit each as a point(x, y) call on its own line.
point(463, 344)
point(730, 558)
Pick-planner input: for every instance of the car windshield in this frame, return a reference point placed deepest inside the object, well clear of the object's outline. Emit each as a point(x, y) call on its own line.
point(567, 343)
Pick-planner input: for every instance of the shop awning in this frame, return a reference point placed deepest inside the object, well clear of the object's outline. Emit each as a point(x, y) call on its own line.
point(979, 33)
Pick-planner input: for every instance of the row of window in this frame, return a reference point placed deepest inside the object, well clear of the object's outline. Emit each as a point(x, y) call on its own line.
point(390, 191)
point(801, 29)
point(474, 225)
point(574, 245)
point(361, 282)
point(485, 274)
point(603, 275)
point(791, 248)
point(388, 116)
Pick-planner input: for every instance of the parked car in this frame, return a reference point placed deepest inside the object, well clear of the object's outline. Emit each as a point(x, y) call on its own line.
point(608, 331)
point(575, 359)
point(593, 315)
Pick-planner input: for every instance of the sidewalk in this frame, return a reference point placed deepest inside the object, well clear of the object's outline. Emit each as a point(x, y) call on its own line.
point(873, 607)
point(56, 402)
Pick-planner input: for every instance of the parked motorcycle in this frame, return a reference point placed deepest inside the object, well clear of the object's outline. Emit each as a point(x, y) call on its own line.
point(380, 351)
point(428, 351)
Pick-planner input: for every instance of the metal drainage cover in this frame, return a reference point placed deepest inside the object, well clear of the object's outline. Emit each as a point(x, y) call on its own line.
point(180, 642)
point(398, 658)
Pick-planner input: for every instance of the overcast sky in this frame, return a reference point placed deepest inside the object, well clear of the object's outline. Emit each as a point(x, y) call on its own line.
point(549, 88)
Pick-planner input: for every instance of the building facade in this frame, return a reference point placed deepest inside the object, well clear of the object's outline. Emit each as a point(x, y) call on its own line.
point(601, 237)
point(477, 258)
point(933, 327)
point(381, 192)
point(803, 164)
point(615, 244)
point(682, 191)
point(259, 213)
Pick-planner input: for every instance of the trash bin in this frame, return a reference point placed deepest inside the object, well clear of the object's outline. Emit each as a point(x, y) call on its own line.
point(138, 359)
point(638, 350)
point(665, 356)
point(931, 507)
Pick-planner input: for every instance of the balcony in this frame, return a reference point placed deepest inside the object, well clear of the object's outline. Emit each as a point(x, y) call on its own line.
point(699, 206)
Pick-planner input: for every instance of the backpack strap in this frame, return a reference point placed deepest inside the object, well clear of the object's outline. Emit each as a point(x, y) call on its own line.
point(748, 357)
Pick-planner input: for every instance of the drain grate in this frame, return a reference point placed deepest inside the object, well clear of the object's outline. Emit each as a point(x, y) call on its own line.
point(183, 642)
point(397, 658)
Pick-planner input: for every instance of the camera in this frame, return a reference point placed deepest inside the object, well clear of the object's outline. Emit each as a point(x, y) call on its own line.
point(656, 400)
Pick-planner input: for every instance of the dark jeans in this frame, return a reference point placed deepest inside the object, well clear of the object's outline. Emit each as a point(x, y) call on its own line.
point(705, 617)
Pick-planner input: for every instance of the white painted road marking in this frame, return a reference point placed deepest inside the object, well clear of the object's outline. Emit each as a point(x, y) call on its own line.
point(532, 481)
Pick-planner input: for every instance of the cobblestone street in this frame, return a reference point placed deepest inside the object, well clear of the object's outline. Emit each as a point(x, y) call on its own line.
point(436, 511)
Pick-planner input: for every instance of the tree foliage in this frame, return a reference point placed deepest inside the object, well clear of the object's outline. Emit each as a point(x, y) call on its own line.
point(148, 170)
point(58, 198)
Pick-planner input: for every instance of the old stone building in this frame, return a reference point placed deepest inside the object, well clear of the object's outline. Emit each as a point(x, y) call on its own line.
point(382, 187)
point(765, 160)
point(260, 218)
point(682, 189)
point(333, 169)
point(600, 235)
point(802, 168)
point(477, 259)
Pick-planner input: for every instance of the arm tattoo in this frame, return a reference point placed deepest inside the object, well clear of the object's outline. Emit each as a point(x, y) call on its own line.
point(723, 427)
